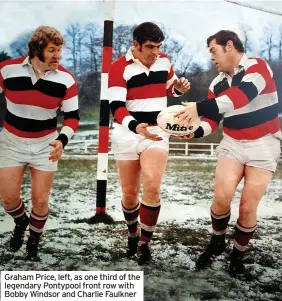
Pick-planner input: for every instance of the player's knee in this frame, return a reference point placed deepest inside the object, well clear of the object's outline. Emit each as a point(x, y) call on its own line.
point(221, 204)
point(247, 210)
point(40, 202)
point(130, 197)
point(10, 199)
point(152, 188)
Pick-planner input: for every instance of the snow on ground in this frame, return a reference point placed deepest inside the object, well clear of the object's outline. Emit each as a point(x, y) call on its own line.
point(69, 243)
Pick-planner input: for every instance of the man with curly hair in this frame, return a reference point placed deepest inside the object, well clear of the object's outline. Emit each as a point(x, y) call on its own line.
point(35, 87)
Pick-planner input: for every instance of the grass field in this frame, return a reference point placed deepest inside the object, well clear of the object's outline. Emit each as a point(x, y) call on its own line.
point(69, 243)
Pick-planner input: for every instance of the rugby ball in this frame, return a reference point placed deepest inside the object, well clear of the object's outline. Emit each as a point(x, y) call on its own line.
point(170, 124)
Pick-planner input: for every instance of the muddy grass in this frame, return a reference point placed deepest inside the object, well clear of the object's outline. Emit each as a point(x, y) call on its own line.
point(69, 243)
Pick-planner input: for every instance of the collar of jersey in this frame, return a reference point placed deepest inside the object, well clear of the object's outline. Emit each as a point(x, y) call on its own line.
point(129, 56)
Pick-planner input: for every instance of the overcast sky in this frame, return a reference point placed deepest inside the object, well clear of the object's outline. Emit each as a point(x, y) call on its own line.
point(189, 21)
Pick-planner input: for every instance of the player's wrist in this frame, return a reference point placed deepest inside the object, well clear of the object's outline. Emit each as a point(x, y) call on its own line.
point(207, 107)
point(64, 139)
point(199, 133)
point(133, 125)
point(178, 92)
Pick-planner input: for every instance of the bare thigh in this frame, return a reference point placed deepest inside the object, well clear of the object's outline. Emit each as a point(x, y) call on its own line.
point(153, 164)
point(228, 175)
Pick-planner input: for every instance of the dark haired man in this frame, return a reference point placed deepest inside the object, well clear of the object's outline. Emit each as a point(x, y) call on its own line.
point(244, 95)
point(35, 87)
point(139, 83)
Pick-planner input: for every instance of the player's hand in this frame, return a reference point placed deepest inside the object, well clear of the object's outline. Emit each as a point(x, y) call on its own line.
point(187, 114)
point(56, 153)
point(142, 130)
point(186, 137)
point(182, 85)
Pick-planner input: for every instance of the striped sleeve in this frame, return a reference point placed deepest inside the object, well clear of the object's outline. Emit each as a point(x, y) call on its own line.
point(257, 77)
point(71, 112)
point(169, 85)
point(208, 125)
point(117, 91)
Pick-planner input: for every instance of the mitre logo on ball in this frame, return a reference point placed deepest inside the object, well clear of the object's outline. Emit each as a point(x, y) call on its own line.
point(178, 128)
point(170, 124)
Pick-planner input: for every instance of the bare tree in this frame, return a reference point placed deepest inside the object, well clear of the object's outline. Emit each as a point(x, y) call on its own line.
point(93, 43)
point(74, 37)
point(172, 48)
point(246, 31)
point(186, 62)
point(19, 46)
point(122, 39)
point(268, 44)
point(279, 46)
point(180, 57)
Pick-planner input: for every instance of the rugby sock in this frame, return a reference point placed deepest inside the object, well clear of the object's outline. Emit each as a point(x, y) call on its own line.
point(36, 224)
point(219, 222)
point(131, 218)
point(242, 236)
point(148, 219)
point(18, 213)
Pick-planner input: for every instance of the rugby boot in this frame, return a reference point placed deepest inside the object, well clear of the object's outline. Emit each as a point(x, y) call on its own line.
point(216, 247)
point(132, 245)
point(17, 236)
point(32, 249)
point(144, 254)
point(236, 266)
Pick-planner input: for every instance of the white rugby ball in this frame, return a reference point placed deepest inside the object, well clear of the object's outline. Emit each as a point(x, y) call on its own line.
point(170, 124)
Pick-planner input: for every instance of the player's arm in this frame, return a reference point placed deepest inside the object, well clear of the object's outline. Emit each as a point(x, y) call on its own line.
point(176, 86)
point(117, 91)
point(208, 125)
point(71, 114)
point(256, 78)
point(70, 123)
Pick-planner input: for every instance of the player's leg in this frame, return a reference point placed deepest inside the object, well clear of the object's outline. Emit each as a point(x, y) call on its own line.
point(129, 176)
point(10, 186)
point(227, 177)
point(13, 155)
point(256, 181)
point(153, 164)
point(261, 158)
point(123, 146)
point(41, 183)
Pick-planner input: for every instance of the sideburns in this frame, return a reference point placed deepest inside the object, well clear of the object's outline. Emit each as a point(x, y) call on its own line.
point(40, 56)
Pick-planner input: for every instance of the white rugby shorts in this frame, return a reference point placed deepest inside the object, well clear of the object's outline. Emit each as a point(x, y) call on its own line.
point(126, 145)
point(32, 152)
point(261, 153)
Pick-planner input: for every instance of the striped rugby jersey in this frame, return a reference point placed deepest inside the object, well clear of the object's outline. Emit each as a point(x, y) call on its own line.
point(136, 93)
point(32, 104)
point(248, 103)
